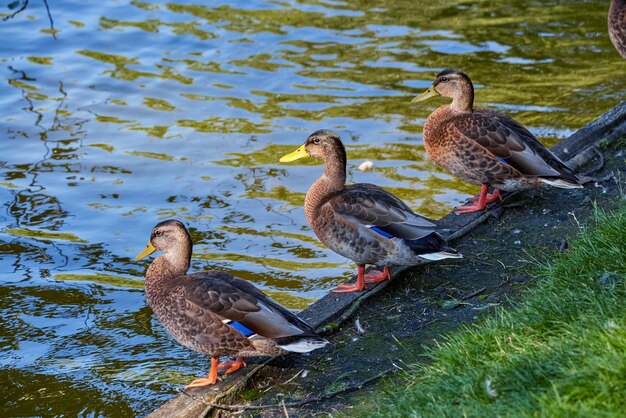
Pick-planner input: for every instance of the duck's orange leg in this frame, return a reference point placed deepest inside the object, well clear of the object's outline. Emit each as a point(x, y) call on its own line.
point(211, 378)
point(378, 276)
point(359, 286)
point(230, 366)
point(481, 199)
point(491, 197)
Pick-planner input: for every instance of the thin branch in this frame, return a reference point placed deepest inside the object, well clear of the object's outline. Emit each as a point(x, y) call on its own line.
point(20, 10)
point(45, 2)
point(282, 404)
point(24, 6)
point(476, 293)
point(22, 74)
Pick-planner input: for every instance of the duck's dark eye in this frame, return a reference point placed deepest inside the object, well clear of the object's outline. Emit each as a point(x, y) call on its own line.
point(158, 233)
point(316, 141)
point(444, 79)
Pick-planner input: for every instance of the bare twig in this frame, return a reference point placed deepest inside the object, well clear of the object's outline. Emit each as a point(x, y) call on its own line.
point(22, 74)
point(476, 293)
point(24, 6)
point(18, 11)
point(293, 377)
point(45, 2)
point(282, 403)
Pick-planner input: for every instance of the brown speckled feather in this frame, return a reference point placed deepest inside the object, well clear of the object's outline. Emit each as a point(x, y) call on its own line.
point(617, 25)
point(372, 205)
point(509, 142)
point(193, 307)
point(196, 326)
point(458, 153)
point(235, 299)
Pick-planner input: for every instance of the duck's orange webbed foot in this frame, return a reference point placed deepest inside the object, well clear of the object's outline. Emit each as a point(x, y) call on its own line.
point(230, 366)
point(347, 288)
point(469, 209)
point(211, 378)
point(481, 201)
point(489, 198)
point(378, 276)
point(359, 286)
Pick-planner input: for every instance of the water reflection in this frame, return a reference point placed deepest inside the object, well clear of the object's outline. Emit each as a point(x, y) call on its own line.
point(142, 111)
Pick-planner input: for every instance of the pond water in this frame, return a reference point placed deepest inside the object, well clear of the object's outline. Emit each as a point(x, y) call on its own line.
point(135, 112)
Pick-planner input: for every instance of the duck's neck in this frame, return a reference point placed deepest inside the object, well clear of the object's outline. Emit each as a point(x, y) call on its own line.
point(166, 266)
point(332, 181)
point(463, 102)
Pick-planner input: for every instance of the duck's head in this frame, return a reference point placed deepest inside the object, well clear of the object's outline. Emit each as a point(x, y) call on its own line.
point(321, 144)
point(450, 83)
point(171, 237)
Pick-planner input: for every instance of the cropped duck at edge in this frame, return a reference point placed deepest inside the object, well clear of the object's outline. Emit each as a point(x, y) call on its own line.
point(214, 313)
point(617, 25)
point(364, 222)
point(486, 147)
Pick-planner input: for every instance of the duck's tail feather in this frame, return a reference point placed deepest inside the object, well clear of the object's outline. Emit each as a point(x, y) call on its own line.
point(301, 344)
point(563, 183)
point(433, 248)
point(441, 255)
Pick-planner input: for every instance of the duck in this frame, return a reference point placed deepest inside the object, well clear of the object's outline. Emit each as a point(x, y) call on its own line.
point(485, 147)
point(363, 222)
point(215, 313)
point(617, 25)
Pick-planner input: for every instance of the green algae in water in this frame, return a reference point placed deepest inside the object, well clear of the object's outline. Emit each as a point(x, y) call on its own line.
point(289, 299)
point(154, 155)
point(266, 261)
point(102, 279)
point(44, 235)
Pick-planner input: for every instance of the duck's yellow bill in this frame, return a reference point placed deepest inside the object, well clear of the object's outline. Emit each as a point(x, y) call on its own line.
point(146, 252)
point(426, 95)
point(296, 155)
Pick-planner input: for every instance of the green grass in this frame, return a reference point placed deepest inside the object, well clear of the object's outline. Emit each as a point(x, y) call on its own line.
point(560, 352)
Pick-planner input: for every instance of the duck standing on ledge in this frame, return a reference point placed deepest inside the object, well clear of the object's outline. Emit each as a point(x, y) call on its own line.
point(486, 147)
point(214, 313)
point(364, 222)
point(617, 25)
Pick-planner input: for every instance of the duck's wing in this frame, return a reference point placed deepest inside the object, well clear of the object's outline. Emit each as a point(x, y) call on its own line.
point(510, 142)
point(374, 207)
point(242, 306)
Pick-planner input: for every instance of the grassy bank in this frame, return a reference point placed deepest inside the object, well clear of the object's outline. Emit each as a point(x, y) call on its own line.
point(560, 352)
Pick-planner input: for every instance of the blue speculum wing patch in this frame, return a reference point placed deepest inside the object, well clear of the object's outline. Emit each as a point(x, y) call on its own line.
point(502, 160)
point(381, 232)
point(241, 328)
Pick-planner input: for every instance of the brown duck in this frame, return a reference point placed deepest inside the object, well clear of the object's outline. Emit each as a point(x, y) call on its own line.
point(364, 222)
point(486, 147)
point(214, 313)
point(617, 25)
